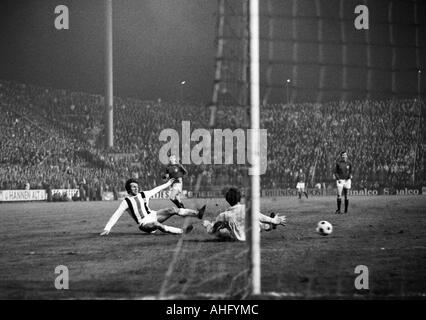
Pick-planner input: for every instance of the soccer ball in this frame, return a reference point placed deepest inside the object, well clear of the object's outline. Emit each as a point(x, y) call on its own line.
point(324, 228)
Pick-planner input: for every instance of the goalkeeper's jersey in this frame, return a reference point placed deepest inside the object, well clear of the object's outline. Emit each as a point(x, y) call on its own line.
point(234, 220)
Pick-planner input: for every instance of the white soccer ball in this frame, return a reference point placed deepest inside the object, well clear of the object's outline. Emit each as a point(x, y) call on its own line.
point(324, 228)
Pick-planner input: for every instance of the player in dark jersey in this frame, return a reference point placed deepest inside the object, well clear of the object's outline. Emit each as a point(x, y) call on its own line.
point(176, 171)
point(343, 175)
point(301, 178)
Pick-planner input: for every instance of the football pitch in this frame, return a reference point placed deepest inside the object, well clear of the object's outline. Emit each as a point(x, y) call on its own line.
point(386, 234)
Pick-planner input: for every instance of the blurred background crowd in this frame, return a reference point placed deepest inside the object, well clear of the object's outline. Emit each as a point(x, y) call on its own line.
point(54, 139)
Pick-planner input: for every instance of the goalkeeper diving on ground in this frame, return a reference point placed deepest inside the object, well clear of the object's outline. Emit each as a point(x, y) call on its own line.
point(230, 224)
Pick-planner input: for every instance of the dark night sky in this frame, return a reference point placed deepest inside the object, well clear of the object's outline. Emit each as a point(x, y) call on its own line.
point(158, 43)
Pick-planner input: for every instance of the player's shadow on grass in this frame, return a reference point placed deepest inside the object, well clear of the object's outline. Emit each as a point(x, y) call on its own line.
point(210, 240)
point(319, 237)
point(131, 234)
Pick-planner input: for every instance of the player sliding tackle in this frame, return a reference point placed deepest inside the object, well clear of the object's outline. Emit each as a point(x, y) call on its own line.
point(148, 220)
point(231, 223)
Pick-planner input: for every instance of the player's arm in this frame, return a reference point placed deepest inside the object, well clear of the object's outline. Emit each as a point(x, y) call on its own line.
point(114, 218)
point(335, 173)
point(350, 172)
point(156, 190)
point(275, 220)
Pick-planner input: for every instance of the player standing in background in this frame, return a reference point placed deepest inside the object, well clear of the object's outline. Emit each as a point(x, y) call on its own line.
point(137, 205)
point(230, 225)
point(175, 171)
point(343, 176)
point(301, 178)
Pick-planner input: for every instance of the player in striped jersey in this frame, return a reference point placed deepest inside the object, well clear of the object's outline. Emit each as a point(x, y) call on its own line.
point(230, 224)
point(148, 220)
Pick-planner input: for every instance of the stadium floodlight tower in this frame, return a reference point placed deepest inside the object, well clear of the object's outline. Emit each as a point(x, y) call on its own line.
point(287, 84)
point(108, 76)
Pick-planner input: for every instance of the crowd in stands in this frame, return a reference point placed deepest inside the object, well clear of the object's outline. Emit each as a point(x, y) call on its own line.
point(54, 139)
point(382, 138)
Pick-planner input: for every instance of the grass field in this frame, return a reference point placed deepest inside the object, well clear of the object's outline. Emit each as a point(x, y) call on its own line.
point(386, 234)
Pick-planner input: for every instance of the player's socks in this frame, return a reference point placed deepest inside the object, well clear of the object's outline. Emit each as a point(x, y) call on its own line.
point(300, 195)
point(176, 202)
point(306, 194)
point(346, 205)
point(187, 212)
point(339, 205)
point(172, 230)
point(201, 212)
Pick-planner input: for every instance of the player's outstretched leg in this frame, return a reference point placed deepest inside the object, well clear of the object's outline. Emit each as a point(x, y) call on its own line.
point(176, 191)
point(200, 212)
point(174, 230)
point(306, 194)
point(176, 202)
point(221, 232)
point(179, 202)
point(187, 212)
point(173, 196)
point(164, 214)
point(162, 227)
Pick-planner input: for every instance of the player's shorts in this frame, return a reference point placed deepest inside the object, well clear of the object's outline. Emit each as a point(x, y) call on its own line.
point(300, 185)
point(175, 189)
point(343, 183)
point(147, 221)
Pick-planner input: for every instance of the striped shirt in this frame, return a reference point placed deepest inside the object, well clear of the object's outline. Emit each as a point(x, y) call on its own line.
point(137, 206)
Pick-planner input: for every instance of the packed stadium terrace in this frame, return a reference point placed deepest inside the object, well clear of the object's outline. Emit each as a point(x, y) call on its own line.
point(53, 139)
